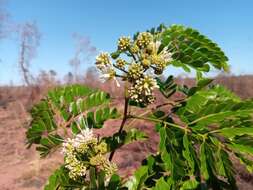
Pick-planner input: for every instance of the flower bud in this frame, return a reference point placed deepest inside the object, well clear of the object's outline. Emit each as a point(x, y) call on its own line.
point(120, 63)
point(135, 71)
point(124, 43)
point(158, 71)
point(102, 148)
point(144, 39)
point(134, 48)
point(146, 63)
point(102, 60)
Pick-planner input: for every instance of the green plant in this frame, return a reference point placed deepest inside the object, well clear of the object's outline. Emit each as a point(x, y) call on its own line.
point(199, 135)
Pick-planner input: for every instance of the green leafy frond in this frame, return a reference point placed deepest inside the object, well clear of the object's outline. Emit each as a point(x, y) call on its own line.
point(225, 124)
point(215, 106)
point(72, 107)
point(193, 50)
point(196, 152)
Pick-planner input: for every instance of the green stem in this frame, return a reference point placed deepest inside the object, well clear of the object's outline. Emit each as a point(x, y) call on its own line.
point(218, 114)
point(214, 131)
point(133, 56)
point(161, 121)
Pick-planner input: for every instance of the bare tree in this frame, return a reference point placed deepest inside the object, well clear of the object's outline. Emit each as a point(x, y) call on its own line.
point(90, 77)
point(47, 78)
point(29, 41)
point(75, 64)
point(69, 78)
point(84, 50)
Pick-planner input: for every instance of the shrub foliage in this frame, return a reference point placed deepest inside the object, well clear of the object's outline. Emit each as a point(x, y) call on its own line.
point(199, 136)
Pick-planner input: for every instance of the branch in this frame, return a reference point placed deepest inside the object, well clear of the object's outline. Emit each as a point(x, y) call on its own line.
point(122, 124)
point(120, 68)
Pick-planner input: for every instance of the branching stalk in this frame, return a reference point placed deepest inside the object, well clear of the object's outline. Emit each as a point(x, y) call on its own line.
point(125, 117)
point(161, 121)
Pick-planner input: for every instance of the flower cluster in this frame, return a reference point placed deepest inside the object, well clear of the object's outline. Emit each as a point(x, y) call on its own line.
point(135, 71)
point(104, 64)
point(145, 54)
point(100, 161)
point(144, 39)
point(124, 43)
point(103, 60)
point(120, 63)
point(85, 151)
point(142, 91)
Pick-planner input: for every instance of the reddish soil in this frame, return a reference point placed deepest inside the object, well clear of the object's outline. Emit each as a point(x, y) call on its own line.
point(20, 168)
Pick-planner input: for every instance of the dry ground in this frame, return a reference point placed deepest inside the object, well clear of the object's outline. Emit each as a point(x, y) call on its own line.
point(20, 168)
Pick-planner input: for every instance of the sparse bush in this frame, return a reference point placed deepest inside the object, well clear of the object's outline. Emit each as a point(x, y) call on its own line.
point(198, 136)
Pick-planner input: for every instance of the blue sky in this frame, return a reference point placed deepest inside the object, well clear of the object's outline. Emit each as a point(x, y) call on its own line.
point(227, 22)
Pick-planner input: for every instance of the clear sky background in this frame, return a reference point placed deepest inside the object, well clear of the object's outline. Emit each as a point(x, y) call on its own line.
point(227, 22)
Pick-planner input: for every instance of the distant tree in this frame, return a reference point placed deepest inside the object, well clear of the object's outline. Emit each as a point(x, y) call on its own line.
point(91, 75)
point(53, 73)
point(84, 50)
point(47, 78)
point(29, 37)
point(69, 78)
point(75, 64)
